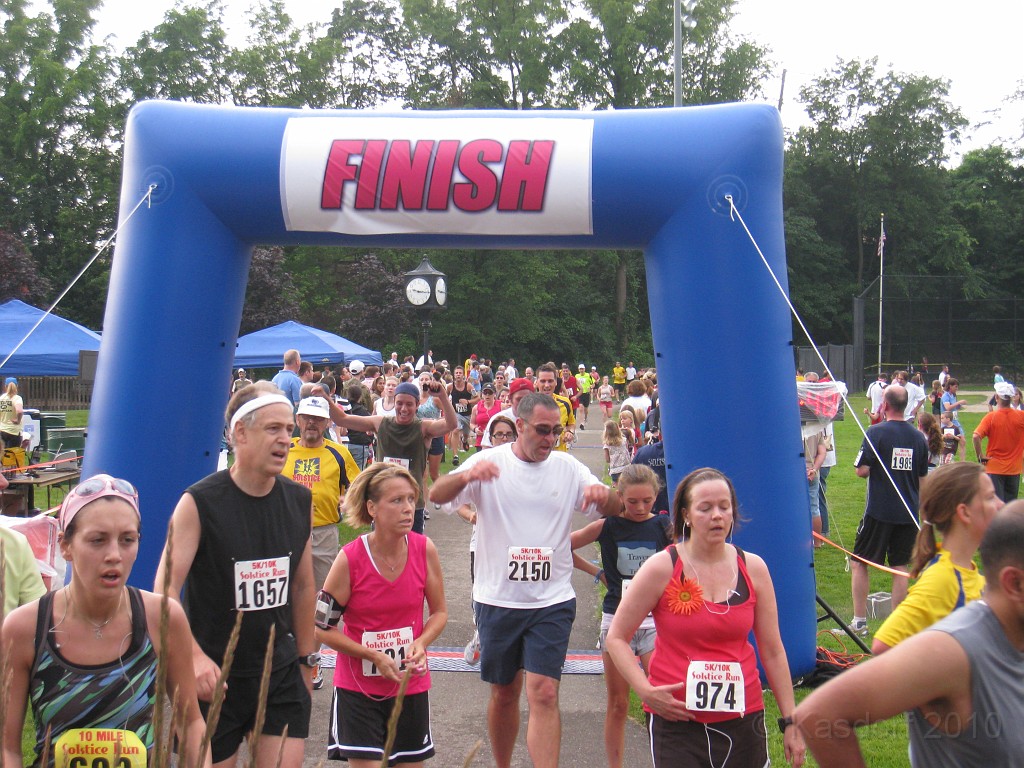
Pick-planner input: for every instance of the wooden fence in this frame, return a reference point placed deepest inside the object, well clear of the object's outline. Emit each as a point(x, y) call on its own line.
point(54, 393)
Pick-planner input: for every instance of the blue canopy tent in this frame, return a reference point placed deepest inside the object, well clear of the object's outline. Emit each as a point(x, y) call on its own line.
point(265, 348)
point(51, 350)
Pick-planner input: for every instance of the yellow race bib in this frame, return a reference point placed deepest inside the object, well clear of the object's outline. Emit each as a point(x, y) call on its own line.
point(99, 748)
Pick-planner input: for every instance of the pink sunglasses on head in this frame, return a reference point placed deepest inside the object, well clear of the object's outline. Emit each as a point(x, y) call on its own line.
point(95, 488)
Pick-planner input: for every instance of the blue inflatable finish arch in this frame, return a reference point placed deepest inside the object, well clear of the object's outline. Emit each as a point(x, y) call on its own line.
point(229, 178)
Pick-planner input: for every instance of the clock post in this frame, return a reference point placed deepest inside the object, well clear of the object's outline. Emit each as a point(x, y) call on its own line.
point(426, 290)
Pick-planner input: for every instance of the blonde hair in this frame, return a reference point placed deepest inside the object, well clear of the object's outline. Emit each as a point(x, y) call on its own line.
point(613, 433)
point(368, 486)
point(12, 389)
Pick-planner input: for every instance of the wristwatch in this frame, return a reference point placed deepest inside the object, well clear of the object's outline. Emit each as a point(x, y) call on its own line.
point(311, 660)
point(784, 723)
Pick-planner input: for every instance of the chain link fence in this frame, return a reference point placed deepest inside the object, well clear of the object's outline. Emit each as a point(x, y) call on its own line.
point(928, 322)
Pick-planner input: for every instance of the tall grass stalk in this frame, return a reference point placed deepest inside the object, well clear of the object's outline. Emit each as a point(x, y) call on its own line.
point(261, 706)
point(396, 712)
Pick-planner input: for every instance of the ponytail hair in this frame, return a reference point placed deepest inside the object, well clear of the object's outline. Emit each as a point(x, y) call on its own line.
point(930, 426)
point(942, 491)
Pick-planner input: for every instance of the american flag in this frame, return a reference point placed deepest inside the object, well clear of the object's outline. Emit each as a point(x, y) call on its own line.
point(881, 240)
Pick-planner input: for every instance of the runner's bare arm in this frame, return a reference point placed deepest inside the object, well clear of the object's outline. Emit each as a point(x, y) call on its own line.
point(451, 485)
point(183, 543)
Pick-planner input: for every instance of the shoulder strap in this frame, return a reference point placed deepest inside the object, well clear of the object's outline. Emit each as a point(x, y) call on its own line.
point(742, 555)
point(43, 618)
point(343, 480)
point(673, 553)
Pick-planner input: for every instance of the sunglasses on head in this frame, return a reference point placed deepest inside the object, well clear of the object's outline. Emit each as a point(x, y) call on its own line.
point(96, 487)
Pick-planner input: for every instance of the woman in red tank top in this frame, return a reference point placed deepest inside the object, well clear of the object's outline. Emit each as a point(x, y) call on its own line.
point(706, 595)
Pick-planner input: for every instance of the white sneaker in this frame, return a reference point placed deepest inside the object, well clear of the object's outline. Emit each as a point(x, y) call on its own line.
point(860, 628)
point(472, 652)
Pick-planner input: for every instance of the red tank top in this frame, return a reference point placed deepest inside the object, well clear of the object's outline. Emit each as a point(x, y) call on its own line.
point(382, 613)
point(709, 634)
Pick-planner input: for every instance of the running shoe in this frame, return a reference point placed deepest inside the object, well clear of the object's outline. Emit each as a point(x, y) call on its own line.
point(318, 678)
point(472, 652)
point(860, 628)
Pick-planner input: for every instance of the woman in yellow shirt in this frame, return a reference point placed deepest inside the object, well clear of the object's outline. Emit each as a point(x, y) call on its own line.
point(958, 501)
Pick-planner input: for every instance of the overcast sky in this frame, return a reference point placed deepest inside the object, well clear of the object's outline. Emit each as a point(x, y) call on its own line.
point(977, 47)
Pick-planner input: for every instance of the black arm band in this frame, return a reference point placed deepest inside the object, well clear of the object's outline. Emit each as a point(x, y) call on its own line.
point(328, 611)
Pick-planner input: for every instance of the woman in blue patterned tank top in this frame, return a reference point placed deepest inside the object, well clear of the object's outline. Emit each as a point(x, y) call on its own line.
point(85, 656)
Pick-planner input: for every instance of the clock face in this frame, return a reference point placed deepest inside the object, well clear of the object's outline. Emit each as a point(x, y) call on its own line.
point(441, 290)
point(417, 291)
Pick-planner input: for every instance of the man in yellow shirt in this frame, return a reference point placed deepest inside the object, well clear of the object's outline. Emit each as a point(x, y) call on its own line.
point(327, 469)
point(547, 382)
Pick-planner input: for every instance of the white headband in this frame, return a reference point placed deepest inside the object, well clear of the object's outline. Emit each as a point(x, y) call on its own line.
point(256, 403)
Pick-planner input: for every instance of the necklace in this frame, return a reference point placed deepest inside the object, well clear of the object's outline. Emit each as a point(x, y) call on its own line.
point(729, 594)
point(97, 628)
point(384, 560)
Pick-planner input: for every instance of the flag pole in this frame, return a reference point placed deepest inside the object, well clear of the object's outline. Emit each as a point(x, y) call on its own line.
point(881, 281)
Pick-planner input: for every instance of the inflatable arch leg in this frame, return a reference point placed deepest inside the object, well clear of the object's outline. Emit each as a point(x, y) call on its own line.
point(229, 178)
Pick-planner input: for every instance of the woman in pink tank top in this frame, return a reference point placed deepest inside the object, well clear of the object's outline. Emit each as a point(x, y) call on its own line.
point(706, 595)
point(371, 612)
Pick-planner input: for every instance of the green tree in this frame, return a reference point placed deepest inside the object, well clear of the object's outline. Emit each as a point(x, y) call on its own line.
point(618, 53)
point(469, 55)
point(59, 128)
point(362, 55)
point(878, 144)
point(987, 199)
point(185, 57)
point(266, 72)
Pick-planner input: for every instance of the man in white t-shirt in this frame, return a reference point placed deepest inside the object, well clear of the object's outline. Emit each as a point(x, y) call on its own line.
point(915, 394)
point(525, 495)
point(876, 391)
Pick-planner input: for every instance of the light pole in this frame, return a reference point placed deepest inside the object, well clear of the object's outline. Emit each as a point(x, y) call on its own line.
point(426, 290)
point(680, 20)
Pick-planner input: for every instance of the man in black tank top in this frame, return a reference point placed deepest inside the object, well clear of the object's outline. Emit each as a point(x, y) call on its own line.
point(241, 544)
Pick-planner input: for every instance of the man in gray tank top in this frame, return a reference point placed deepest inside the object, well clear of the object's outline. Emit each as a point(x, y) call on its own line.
point(961, 681)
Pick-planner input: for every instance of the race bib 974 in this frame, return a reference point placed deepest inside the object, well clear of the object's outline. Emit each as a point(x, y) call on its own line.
point(261, 584)
point(715, 686)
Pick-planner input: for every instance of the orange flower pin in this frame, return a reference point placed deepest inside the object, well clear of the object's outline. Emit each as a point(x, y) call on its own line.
point(685, 597)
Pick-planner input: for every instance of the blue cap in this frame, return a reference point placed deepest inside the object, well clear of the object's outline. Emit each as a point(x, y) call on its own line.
point(407, 388)
point(10, 380)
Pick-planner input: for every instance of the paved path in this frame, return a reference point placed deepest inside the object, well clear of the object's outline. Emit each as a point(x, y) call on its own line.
point(458, 700)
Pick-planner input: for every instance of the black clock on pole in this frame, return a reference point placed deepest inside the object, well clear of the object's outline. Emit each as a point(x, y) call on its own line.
point(426, 290)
